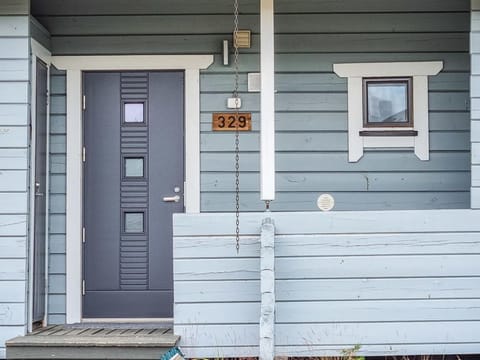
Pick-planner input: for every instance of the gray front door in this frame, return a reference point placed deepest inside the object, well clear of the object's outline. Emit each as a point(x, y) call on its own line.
point(40, 191)
point(133, 183)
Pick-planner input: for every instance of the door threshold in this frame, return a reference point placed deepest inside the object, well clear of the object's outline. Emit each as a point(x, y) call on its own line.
point(127, 320)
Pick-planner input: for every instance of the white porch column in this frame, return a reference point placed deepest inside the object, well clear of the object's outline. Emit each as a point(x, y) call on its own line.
point(267, 275)
point(267, 128)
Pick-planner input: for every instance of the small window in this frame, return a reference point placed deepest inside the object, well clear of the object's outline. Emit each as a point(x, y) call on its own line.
point(134, 113)
point(134, 167)
point(387, 102)
point(134, 222)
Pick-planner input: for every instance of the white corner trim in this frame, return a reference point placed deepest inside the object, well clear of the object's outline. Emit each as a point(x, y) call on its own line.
point(419, 72)
point(37, 52)
point(192, 64)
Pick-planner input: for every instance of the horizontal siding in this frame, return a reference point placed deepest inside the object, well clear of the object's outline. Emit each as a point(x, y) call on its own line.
point(475, 100)
point(88, 7)
point(14, 7)
point(14, 144)
point(311, 99)
point(57, 191)
point(344, 285)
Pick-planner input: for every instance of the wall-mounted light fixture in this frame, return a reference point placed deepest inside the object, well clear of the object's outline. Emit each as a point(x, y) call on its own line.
point(242, 39)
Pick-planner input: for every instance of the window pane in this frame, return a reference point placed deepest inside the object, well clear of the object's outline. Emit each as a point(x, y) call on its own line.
point(387, 102)
point(134, 167)
point(134, 112)
point(134, 222)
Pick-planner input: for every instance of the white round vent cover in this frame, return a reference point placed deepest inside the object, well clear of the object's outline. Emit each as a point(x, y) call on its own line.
point(325, 202)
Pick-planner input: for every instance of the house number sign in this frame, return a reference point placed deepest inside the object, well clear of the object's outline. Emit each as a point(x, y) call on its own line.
point(232, 121)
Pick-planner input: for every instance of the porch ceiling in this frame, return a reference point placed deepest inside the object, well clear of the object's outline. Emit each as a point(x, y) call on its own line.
point(123, 7)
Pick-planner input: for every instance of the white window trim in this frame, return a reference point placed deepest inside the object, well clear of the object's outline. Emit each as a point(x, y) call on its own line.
point(74, 65)
point(419, 71)
point(38, 51)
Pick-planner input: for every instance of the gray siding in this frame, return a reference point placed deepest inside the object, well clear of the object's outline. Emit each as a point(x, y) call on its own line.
point(341, 280)
point(56, 274)
point(14, 167)
point(311, 100)
point(475, 94)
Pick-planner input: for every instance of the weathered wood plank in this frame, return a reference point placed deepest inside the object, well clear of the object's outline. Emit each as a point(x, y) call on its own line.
point(331, 245)
point(334, 334)
point(14, 48)
point(336, 181)
point(194, 292)
point(13, 159)
point(379, 266)
point(12, 269)
point(344, 201)
point(12, 291)
point(14, 70)
point(238, 313)
point(438, 101)
point(345, 222)
point(13, 7)
point(13, 114)
point(14, 26)
point(218, 291)
point(13, 247)
point(375, 350)
point(315, 63)
point(13, 180)
point(13, 203)
point(316, 141)
point(311, 81)
point(287, 43)
point(57, 264)
point(378, 333)
point(14, 137)
point(339, 267)
point(287, 23)
point(13, 225)
point(62, 7)
point(374, 311)
point(12, 314)
point(338, 161)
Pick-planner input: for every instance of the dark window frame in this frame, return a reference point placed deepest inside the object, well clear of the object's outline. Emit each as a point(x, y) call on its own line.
point(145, 115)
point(388, 80)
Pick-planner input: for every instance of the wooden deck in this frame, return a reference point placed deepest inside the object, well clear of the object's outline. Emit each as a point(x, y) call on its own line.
point(115, 341)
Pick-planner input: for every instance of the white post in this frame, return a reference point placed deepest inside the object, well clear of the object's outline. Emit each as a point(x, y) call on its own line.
point(267, 285)
point(267, 128)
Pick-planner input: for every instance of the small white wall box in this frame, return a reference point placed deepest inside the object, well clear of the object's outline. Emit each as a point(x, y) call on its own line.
point(234, 103)
point(225, 53)
point(254, 82)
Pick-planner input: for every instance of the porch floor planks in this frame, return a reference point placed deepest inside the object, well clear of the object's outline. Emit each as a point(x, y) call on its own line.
point(107, 342)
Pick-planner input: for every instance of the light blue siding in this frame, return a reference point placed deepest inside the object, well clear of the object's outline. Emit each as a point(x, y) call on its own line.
point(475, 101)
point(311, 99)
point(341, 280)
point(56, 272)
point(14, 143)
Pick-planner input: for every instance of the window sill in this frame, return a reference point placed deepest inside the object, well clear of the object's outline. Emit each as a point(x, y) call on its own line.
point(388, 133)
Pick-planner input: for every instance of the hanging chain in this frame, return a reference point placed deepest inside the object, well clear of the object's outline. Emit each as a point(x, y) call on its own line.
point(237, 135)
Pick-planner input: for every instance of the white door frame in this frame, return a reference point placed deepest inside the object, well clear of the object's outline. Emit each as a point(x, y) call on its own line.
point(74, 65)
point(38, 51)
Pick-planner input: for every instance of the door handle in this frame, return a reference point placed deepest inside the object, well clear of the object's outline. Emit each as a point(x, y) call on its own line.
point(175, 198)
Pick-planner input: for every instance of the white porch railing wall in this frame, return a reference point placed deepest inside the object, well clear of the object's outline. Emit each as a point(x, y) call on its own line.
point(399, 282)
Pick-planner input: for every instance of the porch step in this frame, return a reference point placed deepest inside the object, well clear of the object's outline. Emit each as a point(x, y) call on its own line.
point(113, 342)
